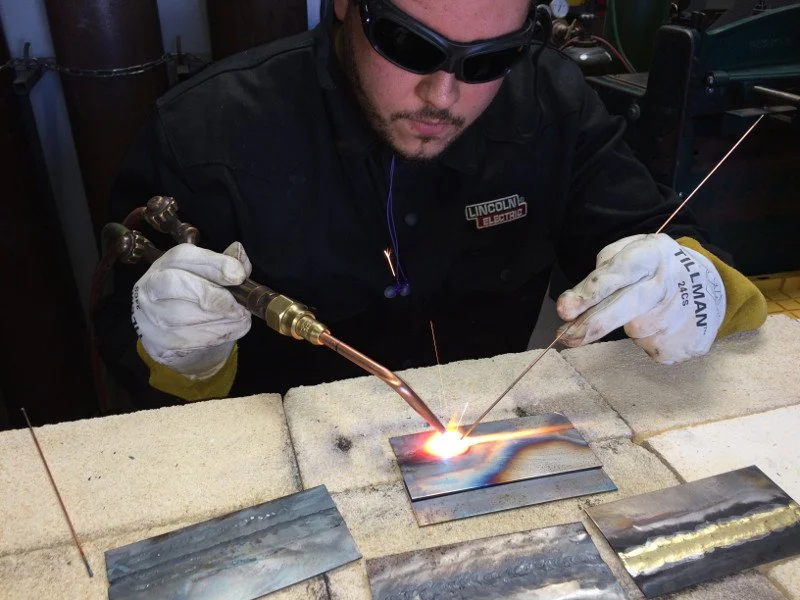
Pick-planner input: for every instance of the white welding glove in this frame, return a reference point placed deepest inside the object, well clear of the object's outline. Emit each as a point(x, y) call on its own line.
point(669, 298)
point(187, 321)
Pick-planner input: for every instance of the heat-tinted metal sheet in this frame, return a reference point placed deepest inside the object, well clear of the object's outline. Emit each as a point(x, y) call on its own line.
point(697, 531)
point(556, 562)
point(511, 495)
point(503, 452)
point(239, 556)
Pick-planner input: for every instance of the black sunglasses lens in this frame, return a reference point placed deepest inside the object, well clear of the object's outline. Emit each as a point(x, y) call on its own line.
point(405, 48)
point(491, 65)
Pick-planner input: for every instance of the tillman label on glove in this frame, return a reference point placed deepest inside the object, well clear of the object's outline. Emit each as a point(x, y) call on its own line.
point(497, 212)
point(697, 291)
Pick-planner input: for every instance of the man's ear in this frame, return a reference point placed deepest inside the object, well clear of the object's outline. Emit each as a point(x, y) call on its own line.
point(340, 6)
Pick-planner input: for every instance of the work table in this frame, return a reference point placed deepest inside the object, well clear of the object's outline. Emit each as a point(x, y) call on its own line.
point(130, 477)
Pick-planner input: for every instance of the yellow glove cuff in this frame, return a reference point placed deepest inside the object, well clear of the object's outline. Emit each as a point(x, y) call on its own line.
point(746, 305)
point(169, 381)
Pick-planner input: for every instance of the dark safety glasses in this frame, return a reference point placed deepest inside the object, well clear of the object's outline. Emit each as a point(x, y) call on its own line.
point(410, 45)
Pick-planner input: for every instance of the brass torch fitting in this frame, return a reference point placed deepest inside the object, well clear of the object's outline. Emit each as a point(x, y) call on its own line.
point(291, 318)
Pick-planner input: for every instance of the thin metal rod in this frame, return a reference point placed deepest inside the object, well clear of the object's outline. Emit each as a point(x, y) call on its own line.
point(516, 381)
point(58, 494)
point(707, 177)
point(385, 375)
point(438, 365)
point(660, 229)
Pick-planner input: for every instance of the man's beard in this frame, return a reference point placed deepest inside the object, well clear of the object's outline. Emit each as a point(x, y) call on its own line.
point(381, 126)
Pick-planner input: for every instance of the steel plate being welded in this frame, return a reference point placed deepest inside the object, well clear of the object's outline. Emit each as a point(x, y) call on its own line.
point(683, 535)
point(501, 452)
point(508, 464)
point(556, 562)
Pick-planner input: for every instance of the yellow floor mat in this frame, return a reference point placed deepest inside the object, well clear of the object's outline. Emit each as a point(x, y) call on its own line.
point(782, 291)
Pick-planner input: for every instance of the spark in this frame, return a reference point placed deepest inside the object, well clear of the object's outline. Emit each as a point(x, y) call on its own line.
point(388, 254)
point(461, 418)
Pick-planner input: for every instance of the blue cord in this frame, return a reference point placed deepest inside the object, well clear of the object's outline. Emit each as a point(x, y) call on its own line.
point(402, 285)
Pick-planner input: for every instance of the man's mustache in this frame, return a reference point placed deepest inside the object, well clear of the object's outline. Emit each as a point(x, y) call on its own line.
point(432, 115)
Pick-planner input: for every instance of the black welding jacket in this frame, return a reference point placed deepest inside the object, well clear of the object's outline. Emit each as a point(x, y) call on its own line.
point(269, 147)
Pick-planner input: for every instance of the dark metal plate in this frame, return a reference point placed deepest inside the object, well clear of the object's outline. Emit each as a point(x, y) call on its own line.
point(511, 495)
point(239, 556)
point(503, 452)
point(683, 535)
point(556, 562)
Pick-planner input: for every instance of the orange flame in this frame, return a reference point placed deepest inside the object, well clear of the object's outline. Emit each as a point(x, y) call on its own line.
point(451, 444)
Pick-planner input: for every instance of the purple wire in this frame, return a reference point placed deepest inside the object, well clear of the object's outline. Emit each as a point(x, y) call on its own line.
point(392, 228)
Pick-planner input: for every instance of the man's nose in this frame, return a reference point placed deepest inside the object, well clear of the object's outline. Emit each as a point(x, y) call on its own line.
point(440, 89)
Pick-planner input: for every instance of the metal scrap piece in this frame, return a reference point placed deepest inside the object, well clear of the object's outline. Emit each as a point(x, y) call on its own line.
point(511, 495)
point(683, 535)
point(240, 556)
point(556, 562)
point(535, 446)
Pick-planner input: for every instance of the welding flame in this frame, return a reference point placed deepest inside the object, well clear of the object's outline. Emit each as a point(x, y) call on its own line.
point(447, 444)
point(450, 443)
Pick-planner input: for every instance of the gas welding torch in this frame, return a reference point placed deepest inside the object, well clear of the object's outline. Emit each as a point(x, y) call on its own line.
point(282, 314)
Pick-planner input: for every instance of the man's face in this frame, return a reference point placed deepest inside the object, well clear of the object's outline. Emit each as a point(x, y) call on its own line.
point(421, 115)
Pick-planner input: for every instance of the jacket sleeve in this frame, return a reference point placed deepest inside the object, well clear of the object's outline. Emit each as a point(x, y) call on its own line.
point(612, 195)
point(151, 168)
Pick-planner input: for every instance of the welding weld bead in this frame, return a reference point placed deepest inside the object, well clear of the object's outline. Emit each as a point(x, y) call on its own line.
point(390, 292)
point(405, 290)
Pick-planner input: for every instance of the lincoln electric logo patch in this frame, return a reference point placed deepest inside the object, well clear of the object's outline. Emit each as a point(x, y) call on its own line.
point(497, 212)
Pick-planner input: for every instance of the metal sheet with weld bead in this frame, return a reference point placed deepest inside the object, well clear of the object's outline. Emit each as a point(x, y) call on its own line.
point(240, 556)
point(690, 533)
point(560, 562)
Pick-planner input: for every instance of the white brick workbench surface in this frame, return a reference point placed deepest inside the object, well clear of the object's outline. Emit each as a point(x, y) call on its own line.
point(130, 477)
point(651, 426)
point(613, 392)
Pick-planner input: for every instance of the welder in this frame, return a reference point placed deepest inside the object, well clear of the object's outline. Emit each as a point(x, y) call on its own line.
point(407, 162)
